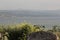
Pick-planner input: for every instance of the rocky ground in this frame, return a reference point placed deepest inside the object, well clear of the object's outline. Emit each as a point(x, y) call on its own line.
point(42, 36)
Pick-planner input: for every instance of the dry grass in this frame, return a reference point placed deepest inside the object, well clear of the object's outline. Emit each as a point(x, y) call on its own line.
point(58, 34)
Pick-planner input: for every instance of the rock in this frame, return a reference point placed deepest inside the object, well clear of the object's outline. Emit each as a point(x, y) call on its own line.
point(42, 35)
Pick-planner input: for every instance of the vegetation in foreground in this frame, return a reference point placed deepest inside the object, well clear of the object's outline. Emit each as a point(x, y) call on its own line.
point(20, 31)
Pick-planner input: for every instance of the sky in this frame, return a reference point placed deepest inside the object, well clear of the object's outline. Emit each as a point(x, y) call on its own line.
point(29, 4)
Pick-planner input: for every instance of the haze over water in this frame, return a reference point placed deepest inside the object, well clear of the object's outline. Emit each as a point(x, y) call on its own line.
point(14, 17)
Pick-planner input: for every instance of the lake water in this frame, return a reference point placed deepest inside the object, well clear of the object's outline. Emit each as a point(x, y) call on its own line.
point(46, 21)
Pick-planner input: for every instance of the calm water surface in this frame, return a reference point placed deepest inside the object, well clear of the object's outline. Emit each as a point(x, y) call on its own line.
point(47, 21)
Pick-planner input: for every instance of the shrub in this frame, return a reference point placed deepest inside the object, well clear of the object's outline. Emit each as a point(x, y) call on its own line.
point(20, 31)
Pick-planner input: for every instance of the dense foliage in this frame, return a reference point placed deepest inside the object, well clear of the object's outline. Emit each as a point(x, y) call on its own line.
point(20, 31)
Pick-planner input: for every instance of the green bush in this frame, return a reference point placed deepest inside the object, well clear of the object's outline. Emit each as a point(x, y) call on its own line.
point(20, 31)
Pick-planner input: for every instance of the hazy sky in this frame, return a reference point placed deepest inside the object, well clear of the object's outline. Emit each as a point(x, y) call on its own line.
point(29, 4)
